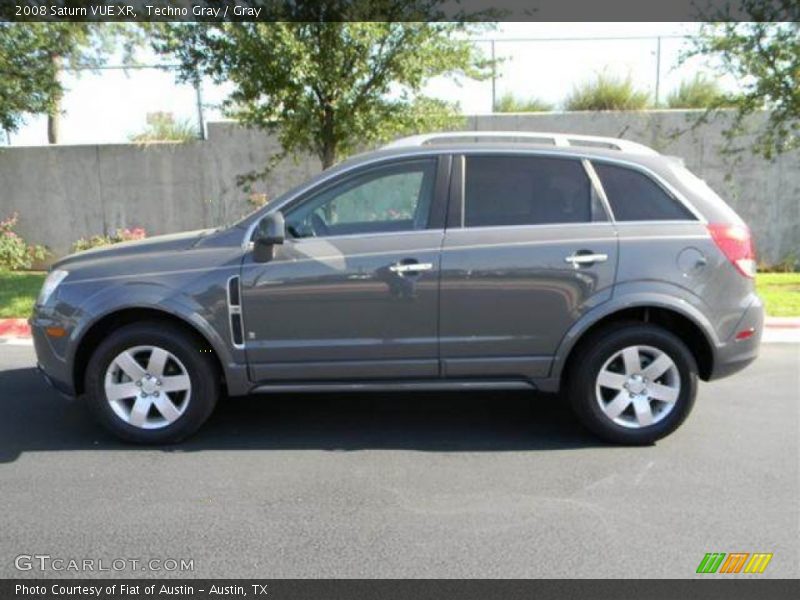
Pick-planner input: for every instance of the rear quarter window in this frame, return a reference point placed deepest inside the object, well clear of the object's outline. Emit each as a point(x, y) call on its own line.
point(634, 196)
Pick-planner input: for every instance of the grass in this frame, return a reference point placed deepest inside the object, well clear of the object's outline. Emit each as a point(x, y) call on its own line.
point(18, 291)
point(780, 292)
point(508, 103)
point(700, 92)
point(607, 92)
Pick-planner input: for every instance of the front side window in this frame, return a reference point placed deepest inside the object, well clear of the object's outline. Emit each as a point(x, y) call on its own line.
point(384, 199)
point(634, 196)
point(527, 190)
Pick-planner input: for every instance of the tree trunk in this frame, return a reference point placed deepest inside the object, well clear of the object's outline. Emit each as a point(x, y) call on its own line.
point(54, 125)
point(328, 146)
point(54, 116)
point(328, 155)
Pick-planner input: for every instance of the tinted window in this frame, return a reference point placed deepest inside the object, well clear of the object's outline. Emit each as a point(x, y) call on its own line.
point(396, 197)
point(525, 190)
point(635, 197)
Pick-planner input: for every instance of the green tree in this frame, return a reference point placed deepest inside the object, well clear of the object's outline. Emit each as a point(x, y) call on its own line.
point(27, 79)
point(328, 88)
point(763, 55)
point(34, 55)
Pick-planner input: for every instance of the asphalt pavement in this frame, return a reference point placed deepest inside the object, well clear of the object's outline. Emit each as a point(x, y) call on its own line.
point(405, 485)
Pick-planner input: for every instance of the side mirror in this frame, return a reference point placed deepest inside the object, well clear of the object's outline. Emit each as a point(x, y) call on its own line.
point(271, 230)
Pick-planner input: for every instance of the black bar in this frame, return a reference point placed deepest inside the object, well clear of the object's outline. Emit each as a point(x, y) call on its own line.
point(392, 10)
point(717, 588)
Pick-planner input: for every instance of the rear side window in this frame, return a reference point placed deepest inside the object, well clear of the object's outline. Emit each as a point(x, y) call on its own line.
point(633, 196)
point(526, 190)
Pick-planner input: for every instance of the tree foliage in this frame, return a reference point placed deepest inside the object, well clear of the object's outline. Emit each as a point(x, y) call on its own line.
point(32, 56)
point(328, 88)
point(763, 55)
point(27, 77)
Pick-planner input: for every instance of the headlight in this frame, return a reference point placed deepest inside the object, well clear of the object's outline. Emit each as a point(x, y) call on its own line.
point(50, 285)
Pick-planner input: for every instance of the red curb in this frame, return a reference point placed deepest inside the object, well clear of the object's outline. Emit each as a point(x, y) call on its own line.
point(14, 328)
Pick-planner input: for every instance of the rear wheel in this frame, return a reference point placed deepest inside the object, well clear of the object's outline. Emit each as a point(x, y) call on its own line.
point(633, 383)
point(149, 383)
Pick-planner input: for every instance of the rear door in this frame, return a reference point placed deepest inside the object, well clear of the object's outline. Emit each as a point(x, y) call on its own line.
point(529, 248)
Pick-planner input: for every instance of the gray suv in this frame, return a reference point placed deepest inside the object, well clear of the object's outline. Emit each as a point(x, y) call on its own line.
point(501, 260)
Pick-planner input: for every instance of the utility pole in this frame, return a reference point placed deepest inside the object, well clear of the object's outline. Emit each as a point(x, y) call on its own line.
point(494, 78)
point(658, 69)
point(198, 90)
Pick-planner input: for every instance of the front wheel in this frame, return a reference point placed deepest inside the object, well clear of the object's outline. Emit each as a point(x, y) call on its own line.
point(633, 383)
point(149, 383)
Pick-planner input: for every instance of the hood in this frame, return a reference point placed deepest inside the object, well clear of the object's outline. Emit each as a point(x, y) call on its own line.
point(156, 244)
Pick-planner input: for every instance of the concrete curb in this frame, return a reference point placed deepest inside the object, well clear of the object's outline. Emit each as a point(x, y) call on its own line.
point(782, 322)
point(776, 329)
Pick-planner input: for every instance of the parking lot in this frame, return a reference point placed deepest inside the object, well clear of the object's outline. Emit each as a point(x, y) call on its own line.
point(401, 485)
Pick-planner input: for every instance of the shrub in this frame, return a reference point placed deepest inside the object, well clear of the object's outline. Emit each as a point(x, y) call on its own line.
point(120, 235)
point(508, 103)
point(162, 127)
point(607, 92)
point(15, 254)
point(699, 92)
point(788, 264)
point(257, 199)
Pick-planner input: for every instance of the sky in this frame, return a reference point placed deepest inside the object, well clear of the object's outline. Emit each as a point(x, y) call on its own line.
point(109, 106)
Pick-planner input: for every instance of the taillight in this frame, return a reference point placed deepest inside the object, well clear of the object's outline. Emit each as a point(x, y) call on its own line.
point(737, 245)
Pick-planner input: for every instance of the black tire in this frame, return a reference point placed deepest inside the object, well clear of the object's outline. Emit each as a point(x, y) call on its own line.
point(200, 368)
point(593, 353)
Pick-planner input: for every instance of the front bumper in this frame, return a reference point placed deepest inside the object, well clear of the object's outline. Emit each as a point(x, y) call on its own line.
point(50, 358)
point(735, 355)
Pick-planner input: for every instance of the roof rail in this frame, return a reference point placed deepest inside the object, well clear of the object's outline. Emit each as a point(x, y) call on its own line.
point(530, 137)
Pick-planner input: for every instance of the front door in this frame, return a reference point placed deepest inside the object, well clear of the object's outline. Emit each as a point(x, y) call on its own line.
point(528, 250)
point(353, 292)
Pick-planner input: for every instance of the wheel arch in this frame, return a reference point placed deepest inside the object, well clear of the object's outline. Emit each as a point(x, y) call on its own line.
point(100, 328)
point(687, 327)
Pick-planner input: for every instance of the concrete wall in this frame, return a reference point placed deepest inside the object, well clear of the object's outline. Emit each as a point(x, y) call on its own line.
point(63, 193)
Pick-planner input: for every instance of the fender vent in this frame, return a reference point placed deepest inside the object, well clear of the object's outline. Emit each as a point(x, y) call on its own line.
point(233, 291)
point(235, 312)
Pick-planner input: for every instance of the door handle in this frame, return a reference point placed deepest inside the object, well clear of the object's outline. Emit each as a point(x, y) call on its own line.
point(402, 268)
point(578, 259)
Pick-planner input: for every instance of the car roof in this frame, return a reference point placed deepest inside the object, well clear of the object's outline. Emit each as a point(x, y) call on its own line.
point(653, 160)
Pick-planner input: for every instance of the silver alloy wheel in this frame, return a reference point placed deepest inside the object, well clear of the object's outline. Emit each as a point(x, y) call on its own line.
point(638, 386)
point(147, 387)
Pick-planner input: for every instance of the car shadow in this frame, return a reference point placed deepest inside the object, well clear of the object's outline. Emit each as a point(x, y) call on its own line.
point(36, 418)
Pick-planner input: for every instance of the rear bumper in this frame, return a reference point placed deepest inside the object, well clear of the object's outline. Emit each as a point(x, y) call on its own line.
point(735, 354)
